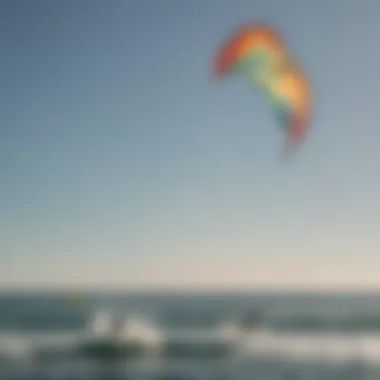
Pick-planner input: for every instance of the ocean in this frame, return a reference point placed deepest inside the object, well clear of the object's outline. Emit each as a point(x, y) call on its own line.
point(219, 336)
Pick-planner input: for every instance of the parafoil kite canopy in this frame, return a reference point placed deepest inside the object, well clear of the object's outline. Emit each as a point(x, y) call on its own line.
point(260, 53)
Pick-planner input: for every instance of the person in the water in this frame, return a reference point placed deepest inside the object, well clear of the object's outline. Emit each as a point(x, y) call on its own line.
point(116, 327)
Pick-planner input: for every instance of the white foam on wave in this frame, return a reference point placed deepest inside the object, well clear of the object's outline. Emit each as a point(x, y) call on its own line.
point(264, 342)
point(255, 341)
point(135, 328)
point(21, 345)
point(324, 347)
point(139, 329)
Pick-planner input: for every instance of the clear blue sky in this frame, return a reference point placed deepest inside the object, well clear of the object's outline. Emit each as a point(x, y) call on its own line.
point(123, 164)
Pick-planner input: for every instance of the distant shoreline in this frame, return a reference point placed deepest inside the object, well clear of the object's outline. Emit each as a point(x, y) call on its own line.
point(185, 292)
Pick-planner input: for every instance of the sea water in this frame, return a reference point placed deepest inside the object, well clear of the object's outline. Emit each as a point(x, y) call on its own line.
point(194, 336)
